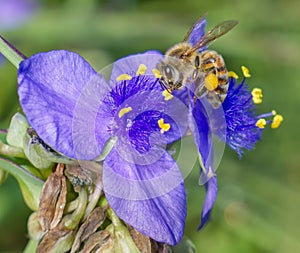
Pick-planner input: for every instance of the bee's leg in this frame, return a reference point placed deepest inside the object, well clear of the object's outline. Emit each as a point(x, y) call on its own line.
point(200, 89)
point(214, 99)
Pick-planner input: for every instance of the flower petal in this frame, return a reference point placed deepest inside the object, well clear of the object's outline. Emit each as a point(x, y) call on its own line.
point(200, 127)
point(198, 32)
point(130, 64)
point(150, 197)
point(60, 94)
point(210, 198)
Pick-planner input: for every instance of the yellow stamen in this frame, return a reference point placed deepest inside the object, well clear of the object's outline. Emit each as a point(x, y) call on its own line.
point(211, 82)
point(156, 73)
point(261, 123)
point(245, 71)
point(233, 74)
point(141, 70)
point(167, 94)
point(257, 95)
point(274, 112)
point(276, 121)
point(164, 127)
point(123, 77)
point(124, 111)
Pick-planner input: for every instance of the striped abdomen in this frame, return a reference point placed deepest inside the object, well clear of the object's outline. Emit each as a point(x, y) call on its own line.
point(212, 62)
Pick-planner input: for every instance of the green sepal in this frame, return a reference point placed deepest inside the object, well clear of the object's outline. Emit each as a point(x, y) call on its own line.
point(39, 153)
point(123, 240)
point(17, 130)
point(185, 245)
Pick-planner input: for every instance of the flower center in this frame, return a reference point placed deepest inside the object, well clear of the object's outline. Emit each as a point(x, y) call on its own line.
point(123, 111)
point(164, 127)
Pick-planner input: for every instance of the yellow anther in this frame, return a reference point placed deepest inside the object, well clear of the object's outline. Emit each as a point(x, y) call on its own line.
point(261, 123)
point(164, 127)
point(211, 82)
point(245, 71)
point(233, 74)
point(124, 111)
point(274, 112)
point(167, 94)
point(123, 77)
point(257, 95)
point(276, 121)
point(156, 73)
point(141, 70)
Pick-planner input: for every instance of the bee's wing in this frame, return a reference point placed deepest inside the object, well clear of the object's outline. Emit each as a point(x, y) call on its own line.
point(196, 25)
point(218, 31)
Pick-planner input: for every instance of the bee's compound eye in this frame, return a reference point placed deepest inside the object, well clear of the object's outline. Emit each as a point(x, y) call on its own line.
point(168, 72)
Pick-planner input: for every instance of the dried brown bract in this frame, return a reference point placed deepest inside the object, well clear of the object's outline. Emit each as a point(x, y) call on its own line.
point(53, 199)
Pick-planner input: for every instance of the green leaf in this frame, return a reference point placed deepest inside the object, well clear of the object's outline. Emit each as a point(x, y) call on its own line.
point(31, 185)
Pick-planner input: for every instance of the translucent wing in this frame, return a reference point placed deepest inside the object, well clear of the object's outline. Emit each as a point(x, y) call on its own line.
point(199, 23)
point(218, 31)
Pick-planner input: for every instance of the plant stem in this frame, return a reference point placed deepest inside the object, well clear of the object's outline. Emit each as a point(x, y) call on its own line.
point(10, 52)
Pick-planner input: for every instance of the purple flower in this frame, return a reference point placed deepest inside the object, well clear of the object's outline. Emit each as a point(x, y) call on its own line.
point(76, 111)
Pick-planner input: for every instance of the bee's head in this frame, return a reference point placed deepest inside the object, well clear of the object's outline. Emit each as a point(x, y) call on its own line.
point(171, 78)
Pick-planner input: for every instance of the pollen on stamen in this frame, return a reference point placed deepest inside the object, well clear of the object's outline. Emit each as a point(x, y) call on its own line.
point(164, 127)
point(123, 111)
point(261, 123)
point(123, 77)
point(276, 121)
point(233, 74)
point(167, 94)
point(141, 70)
point(257, 95)
point(246, 72)
point(211, 82)
point(156, 73)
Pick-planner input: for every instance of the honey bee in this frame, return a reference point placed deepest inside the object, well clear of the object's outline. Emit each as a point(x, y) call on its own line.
point(183, 64)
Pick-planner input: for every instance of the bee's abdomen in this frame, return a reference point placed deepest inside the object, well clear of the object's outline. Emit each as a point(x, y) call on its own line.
point(212, 62)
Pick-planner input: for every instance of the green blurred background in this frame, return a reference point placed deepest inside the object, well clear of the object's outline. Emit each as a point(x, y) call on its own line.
point(257, 209)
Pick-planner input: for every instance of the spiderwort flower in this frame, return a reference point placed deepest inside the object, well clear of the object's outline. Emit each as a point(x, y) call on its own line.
point(76, 111)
